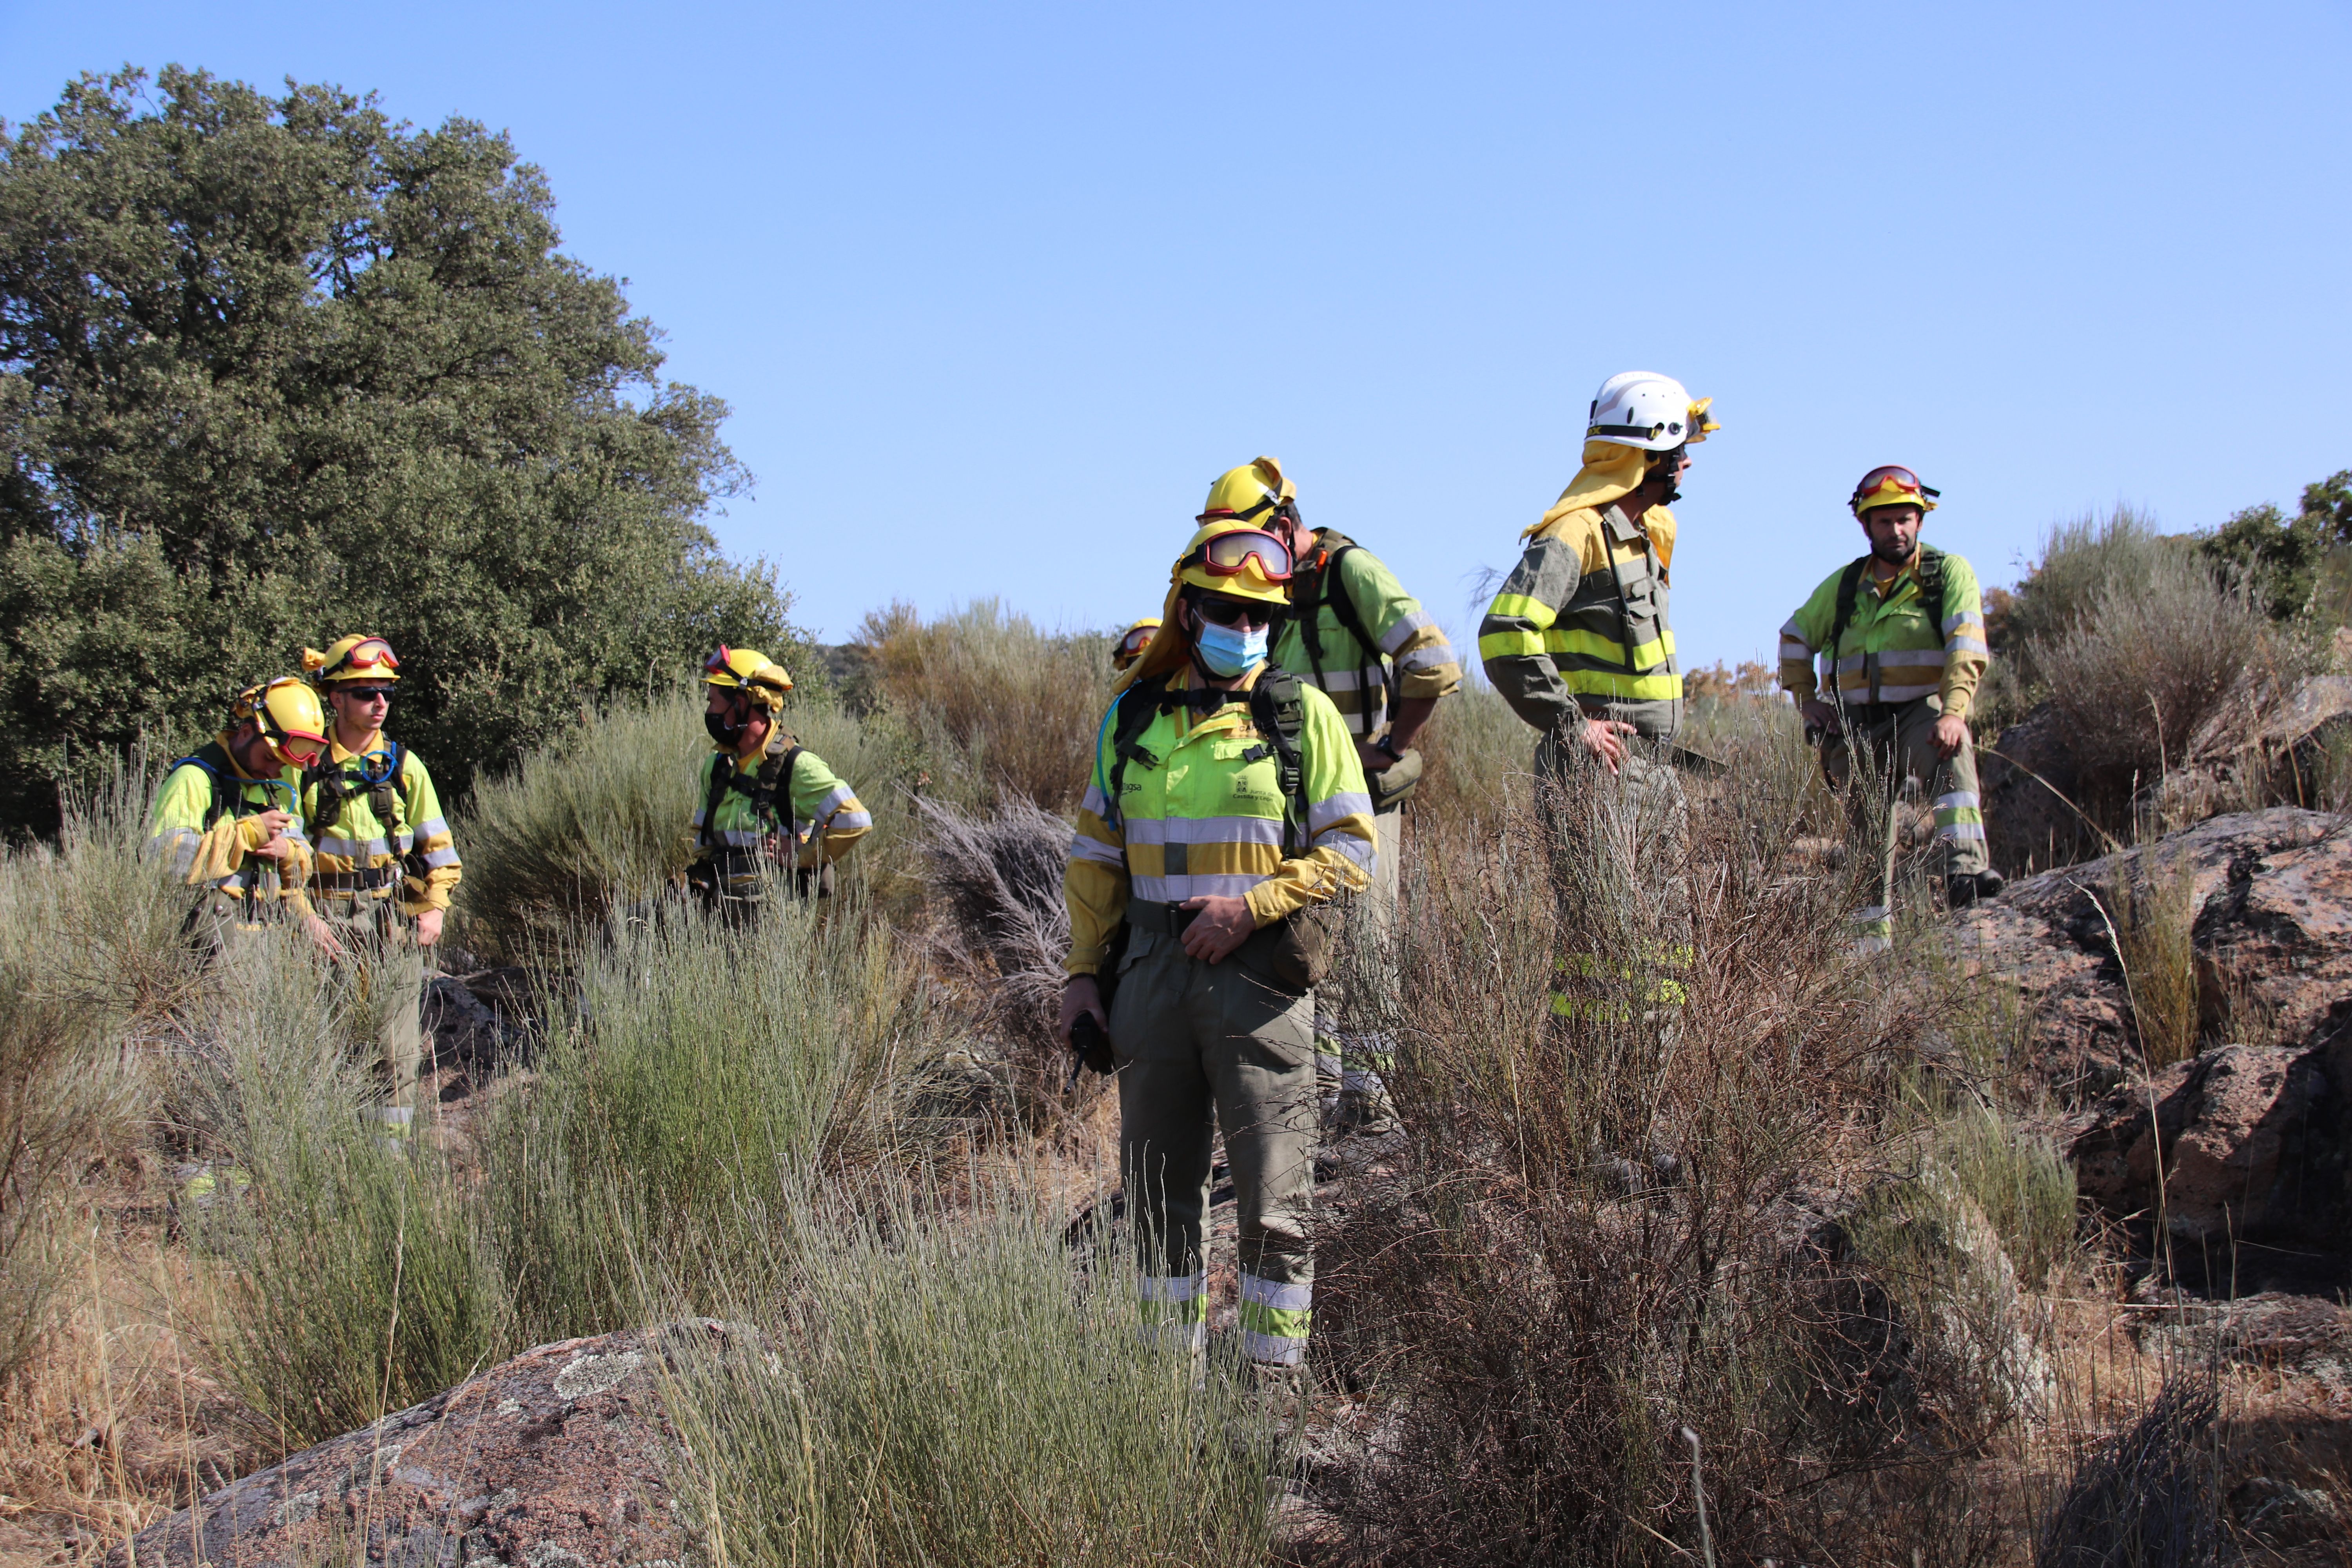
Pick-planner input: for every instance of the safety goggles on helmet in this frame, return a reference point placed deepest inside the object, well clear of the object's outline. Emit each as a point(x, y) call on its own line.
point(1229, 555)
point(373, 653)
point(1901, 486)
point(1135, 641)
point(717, 664)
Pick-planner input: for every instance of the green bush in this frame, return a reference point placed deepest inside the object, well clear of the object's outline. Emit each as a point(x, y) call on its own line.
point(602, 819)
point(356, 1280)
point(713, 1071)
point(947, 1383)
point(280, 368)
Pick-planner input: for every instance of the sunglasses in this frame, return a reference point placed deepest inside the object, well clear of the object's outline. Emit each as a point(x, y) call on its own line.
point(369, 693)
point(1228, 554)
point(1233, 613)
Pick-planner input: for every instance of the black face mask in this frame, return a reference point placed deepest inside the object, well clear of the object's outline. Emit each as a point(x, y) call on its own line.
point(725, 733)
point(1665, 469)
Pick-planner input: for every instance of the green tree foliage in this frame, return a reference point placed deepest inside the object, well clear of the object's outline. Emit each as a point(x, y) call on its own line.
point(275, 369)
point(2282, 556)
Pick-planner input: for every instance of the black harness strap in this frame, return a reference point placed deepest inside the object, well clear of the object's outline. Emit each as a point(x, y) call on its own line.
point(1849, 593)
point(1276, 707)
point(1343, 605)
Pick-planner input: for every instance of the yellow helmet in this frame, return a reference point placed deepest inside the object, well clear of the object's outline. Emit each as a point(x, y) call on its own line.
point(287, 712)
point(747, 669)
point(1234, 558)
point(1245, 494)
point(1132, 642)
point(355, 658)
point(1892, 486)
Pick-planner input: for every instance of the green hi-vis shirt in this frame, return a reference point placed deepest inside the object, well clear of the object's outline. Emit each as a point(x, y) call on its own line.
point(358, 840)
point(828, 818)
point(1409, 658)
point(1203, 816)
point(1580, 625)
point(1895, 647)
point(182, 829)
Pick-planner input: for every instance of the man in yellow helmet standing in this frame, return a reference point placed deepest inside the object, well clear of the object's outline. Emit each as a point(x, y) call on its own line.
point(1901, 634)
point(1131, 644)
point(386, 860)
point(764, 799)
point(1226, 810)
point(1354, 633)
point(227, 818)
point(1577, 642)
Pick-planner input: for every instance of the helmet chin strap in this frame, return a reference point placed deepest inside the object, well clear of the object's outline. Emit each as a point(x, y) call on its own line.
point(1665, 466)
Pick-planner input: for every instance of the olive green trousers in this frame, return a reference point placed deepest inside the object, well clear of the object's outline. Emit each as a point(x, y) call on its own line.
point(1202, 1048)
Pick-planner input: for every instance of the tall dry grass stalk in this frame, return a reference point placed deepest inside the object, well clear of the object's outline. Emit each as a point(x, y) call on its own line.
point(946, 1383)
point(2153, 904)
point(353, 1280)
point(997, 703)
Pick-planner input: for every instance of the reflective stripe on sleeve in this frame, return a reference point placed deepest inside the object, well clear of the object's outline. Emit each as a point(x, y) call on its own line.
point(1511, 643)
point(1083, 848)
point(1521, 607)
point(1435, 655)
point(436, 859)
point(1354, 846)
point(1968, 645)
point(1322, 813)
point(1407, 624)
point(427, 829)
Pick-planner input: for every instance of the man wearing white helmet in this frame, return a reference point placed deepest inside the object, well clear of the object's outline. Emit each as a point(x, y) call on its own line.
point(1578, 644)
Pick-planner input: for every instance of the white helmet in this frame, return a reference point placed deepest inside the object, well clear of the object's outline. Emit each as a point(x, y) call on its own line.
point(1642, 408)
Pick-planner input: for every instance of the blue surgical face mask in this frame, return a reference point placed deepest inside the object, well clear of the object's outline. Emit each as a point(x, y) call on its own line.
point(1229, 651)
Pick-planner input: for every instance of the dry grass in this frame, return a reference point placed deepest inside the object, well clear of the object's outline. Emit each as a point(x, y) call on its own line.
point(998, 704)
point(2152, 908)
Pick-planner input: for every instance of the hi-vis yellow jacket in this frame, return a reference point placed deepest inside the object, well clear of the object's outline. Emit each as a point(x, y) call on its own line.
point(355, 846)
point(1895, 648)
point(1205, 817)
point(827, 819)
point(1580, 625)
point(201, 827)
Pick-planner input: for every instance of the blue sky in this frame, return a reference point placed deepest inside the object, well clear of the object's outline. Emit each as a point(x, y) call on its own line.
point(996, 291)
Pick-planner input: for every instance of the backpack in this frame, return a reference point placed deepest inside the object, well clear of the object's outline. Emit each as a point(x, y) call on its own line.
point(1351, 620)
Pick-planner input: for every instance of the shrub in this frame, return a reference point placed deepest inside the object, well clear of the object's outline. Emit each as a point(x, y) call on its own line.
point(943, 1386)
point(2152, 915)
point(2159, 670)
point(1581, 1254)
point(997, 704)
point(602, 819)
point(713, 1068)
point(89, 953)
point(356, 1283)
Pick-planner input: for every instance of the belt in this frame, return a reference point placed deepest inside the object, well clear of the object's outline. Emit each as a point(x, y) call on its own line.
point(1871, 714)
point(1163, 919)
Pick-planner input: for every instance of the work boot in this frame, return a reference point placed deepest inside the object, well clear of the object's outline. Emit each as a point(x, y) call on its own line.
point(1964, 888)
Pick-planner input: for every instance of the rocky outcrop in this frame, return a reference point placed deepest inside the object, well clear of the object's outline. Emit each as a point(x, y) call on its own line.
point(2243, 1153)
point(2271, 893)
point(555, 1459)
